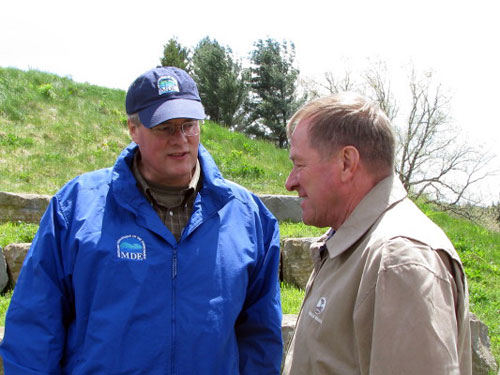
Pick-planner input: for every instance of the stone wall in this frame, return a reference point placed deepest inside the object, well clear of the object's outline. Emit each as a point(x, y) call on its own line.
point(14, 255)
point(29, 208)
point(4, 275)
point(296, 263)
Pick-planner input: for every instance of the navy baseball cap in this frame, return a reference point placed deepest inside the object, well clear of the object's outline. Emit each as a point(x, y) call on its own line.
point(162, 94)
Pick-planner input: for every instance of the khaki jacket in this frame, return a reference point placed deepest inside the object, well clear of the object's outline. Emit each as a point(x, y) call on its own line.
point(388, 295)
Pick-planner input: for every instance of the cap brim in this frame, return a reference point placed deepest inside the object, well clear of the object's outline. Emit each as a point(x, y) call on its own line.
point(171, 109)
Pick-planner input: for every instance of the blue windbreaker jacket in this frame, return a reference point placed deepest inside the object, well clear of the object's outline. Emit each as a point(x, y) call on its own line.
point(106, 290)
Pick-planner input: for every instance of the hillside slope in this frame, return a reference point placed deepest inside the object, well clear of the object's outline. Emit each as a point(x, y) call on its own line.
point(53, 129)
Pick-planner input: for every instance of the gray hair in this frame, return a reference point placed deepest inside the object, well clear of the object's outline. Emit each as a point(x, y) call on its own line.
point(347, 119)
point(134, 119)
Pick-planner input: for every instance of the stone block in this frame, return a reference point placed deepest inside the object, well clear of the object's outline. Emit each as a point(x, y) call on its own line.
point(483, 362)
point(287, 330)
point(4, 275)
point(296, 263)
point(28, 208)
point(14, 255)
point(283, 207)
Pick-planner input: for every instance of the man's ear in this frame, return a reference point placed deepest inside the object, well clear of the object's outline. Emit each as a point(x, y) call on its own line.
point(132, 129)
point(350, 162)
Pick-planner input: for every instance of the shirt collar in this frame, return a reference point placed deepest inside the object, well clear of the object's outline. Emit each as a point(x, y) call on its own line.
point(169, 197)
point(381, 197)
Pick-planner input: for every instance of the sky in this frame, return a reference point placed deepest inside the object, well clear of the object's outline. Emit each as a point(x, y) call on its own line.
point(109, 43)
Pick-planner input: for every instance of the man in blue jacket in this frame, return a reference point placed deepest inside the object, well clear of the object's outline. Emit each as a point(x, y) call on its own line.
point(155, 266)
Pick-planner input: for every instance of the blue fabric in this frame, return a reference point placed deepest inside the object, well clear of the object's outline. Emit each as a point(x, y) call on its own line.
point(106, 289)
point(162, 94)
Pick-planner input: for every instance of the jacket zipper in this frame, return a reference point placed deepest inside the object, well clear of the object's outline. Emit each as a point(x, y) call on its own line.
point(173, 343)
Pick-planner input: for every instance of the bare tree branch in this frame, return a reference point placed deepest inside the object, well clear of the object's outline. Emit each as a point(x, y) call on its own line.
point(432, 162)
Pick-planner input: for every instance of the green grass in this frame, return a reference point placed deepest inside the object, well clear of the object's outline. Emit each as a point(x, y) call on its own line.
point(479, 250)
point(4, 304)
point(291, 230)
point(53, 129)
point(16, 233)
point(291, 298)
point(256, 164)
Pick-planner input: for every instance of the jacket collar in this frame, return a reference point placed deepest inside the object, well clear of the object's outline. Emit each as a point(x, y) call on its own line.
point(384, 195)
point(127, 194)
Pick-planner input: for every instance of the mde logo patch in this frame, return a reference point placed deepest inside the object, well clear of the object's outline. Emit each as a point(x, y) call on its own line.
point(131, 247)
point(167, 84)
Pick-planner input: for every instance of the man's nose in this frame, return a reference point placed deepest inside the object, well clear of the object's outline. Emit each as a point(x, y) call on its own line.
point(291, 181)
point(177, 134)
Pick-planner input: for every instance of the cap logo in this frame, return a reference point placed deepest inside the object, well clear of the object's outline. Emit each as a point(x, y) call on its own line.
point(167, 84)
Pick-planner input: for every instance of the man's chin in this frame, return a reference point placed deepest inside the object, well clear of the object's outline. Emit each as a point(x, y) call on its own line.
point(308, 220)
point(313, 221)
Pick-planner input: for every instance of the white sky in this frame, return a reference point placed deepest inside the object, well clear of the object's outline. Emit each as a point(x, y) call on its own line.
point(109, 43)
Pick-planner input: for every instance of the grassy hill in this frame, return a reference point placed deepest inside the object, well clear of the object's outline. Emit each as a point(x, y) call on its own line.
point(52, 129)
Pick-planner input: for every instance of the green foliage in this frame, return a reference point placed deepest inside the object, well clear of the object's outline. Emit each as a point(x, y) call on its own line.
point(13, 233)
point(46, 142)
point(237, 166)
point(478, 249)
point(291, 298)
point(46, 90)
point(17, 233)
point(175, 55)
point(221, 82)
point(297, 230)
point(274, 82)
point(15, 141)
point(52, 129)
point(258, 165)
point(4, 304)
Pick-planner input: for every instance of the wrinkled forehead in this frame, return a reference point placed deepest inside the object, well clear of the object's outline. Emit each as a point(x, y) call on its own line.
point(300, 139)
point(301, 117)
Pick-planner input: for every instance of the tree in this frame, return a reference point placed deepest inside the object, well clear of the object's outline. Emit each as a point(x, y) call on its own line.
point(332, 85)
point(496, 211)
point(433, 160)
point(273, 84)
point(221, 81)
point(378, 86)
point(175, 55)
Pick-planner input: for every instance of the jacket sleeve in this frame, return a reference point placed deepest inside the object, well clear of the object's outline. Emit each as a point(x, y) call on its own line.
point(258, 328)
point(40, 308)
point(408, 324)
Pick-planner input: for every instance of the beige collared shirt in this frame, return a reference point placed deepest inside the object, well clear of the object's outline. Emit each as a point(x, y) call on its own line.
point(389, 296)
point(173, 205)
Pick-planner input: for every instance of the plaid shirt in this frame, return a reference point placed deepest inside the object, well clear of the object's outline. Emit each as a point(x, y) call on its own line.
point(173, 205)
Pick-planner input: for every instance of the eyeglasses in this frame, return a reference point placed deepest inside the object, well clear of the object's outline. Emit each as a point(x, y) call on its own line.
point(188, 128)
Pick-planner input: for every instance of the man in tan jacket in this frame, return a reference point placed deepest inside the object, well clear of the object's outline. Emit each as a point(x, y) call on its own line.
point(388, 293)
